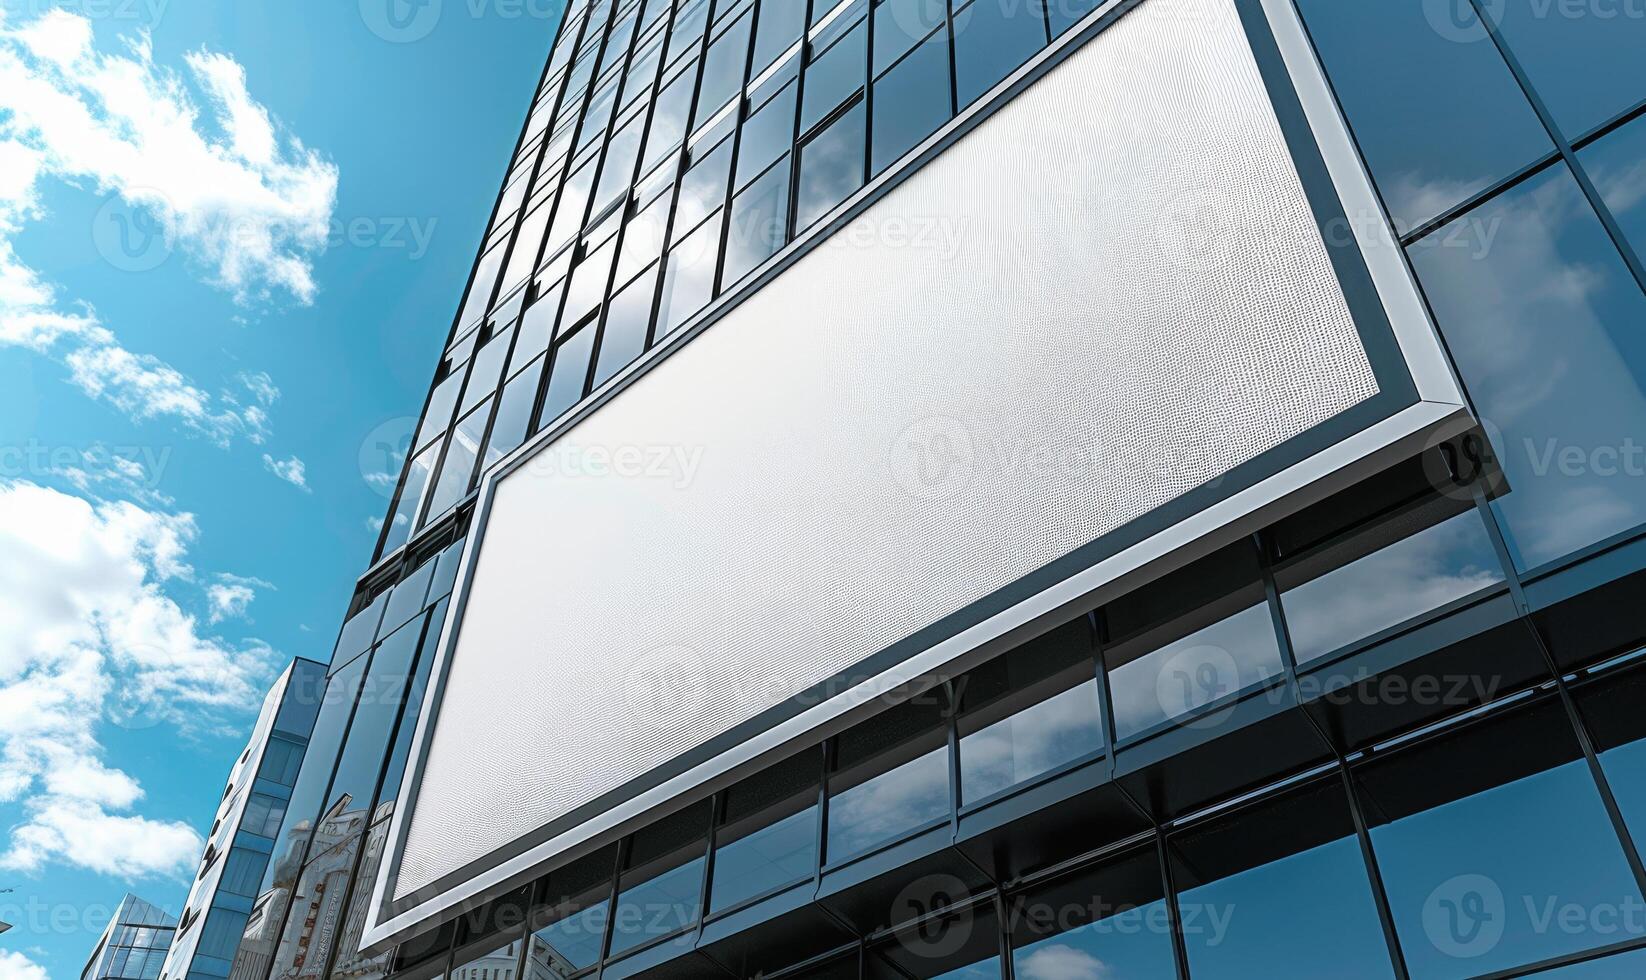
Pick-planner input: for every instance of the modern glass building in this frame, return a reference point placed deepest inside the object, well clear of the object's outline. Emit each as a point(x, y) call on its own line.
point(134, 944)
point(1027, 489)
point(243, 831)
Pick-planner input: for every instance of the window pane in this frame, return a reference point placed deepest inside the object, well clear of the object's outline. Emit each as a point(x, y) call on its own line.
point(568, 375)
point(514, 414)
point(350, 963)
point(643, 238)
point(991, 40)
point(1610, 706)
point(1584, 59)
point(398, 752)
point(661, 892)
point(781, 23)
point(628, 321)
point(910, 102)
point(381, 697)
point(1190, 641)
point(617, 173)
point(1617, 165)
point(529, 239)
point(669, 119)
point(1029, 711)
point(901, 24)
point(457, 469)
point(965, 946)
point(480, 294)
point(488, 365)
point(1064, 14)
point(569, 931)
point(1449, 123)
point(1110, 922)
point(442, 403)
point(411, 498)
point(702, 190)
point(760, 217)
point(1288, 867)
point(1542, 318)
point(891, 777)
point(834, 75)
point(723, 70)
point(688, 282)
point(574, 202)
point(688, 27)
point(831, 168)
point(769, 835)
point(767, 135)
point(1488, 839)
point(1369, 583)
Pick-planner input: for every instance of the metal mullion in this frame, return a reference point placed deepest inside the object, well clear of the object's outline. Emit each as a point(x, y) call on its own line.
point(1478, 198)
point(1590, 192)
point(1003, 929)
point(827, 757)
point(1610, 126)
point(1174, 918)
point(954, 65)
point(742, 113)
point(624, 845)
point(801, 70)
point(717, 814)
point(1374, 872)
point(951, 726)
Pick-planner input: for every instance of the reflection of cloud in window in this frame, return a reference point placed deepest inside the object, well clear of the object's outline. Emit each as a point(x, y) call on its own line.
point(1247, 636)
point(1038, 738)
point(911, 794)
point(1060, 962)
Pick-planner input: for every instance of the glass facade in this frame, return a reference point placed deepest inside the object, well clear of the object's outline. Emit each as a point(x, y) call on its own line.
point(134, 944)
point(1393, 734)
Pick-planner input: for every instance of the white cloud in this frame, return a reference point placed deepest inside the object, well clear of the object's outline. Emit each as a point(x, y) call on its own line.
point(190, 154)
point(16, 966)
point(1060, 962)
point(290, 470)
point(230, 595)
point(90, 633)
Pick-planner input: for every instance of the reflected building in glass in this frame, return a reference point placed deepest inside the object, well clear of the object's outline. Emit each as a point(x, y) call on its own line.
point(1397, 732)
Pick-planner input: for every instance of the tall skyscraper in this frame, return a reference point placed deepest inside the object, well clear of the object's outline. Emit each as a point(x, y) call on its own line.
point(1023, 488)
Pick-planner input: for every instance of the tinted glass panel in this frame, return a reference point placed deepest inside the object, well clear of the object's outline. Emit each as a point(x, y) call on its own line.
point(617, 173)
point(457, 469)
point(487, 367)
point(514, 414)
point(910, 102)
point(1448, 124)
point(781, 22)
point(398, 752)
point(568, 375)
point(767, 135)
point(769, 835)
point(688, 283)
point(901, 24)
point(991, 39)
point(381, 698)
point(661, 892)
point(411, 498)
point(760, 217)
point(628, 320)
point(702, 190)
point(723, 69)
point(1110, 922)
point(1542, 318)
point(891, 777)
point(834, 75)
point(1584, 58)
point(669, 119)
point(831, 167)
point(1617, 165)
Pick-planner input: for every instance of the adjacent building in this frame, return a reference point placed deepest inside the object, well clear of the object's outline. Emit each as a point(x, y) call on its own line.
point(242, 833)
point(1010, 489)
point(134, 944)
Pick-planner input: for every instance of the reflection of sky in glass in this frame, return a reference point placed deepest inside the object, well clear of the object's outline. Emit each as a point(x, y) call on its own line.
point(1041, 737)
point(1585, 60)
point(888, 805)
point(1448, 561)
point(1187, 674)
point(1448, 124)
point(1617, 165)
point(1625, 768)
point(1502, 859)
point(1133, 945)
point(574, 939)
point(1543, 319)
point(766, 859)
point(1320, 902)
point(658, 907)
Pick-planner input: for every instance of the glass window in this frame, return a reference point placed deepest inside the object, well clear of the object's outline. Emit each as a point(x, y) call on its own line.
point(1109, 922)
point(688, 281)
point(1064, 14)
point(359, 631)
point(350, 963)
point(643, 239)
point(1610, 705)
point(569, 930)
point(442, 404)
point(901, 24)
point(617, 173)
point(457, 469)
point(536, 328)
point(1190, 642)
point(574, 204)
point(220, 936)
point(398, 752)
point(488, 365)
point(599, 112)
point(1542, 318)
point(668, 125)
point(1449, 123)
point(910, 102)
point(589, 282)
point(617, 45)
point(480, 291)
point(891, 777)
point(990, 41)
point(242, 870)
point(781, 24)
point(407, 598)
point(1584, 59)
point(411, 498)
point(1386, 574)
point(723, 70)
point(768, 835)
point(702, 190)
point(514, 414)
point(568, 375)
point(834, 76)
point(283, 759)
point(688, 27)
point(1290, 866)
point(1028, 712)
point(642, 73)
point(661, 889)
point(831, 168)
point(767, 135)
point(1494, 847)
point(263, 815)
point(759, 220)
point(527, 242)
point(628, 321)
point(1617, 165)
point(381, 697)
point(962, 946)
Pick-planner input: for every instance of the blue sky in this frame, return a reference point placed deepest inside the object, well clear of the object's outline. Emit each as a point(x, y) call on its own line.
point(232, 236)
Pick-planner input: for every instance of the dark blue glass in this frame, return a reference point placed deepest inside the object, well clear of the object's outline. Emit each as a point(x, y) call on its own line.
point(831, 167)
point(1064, 14)
point(665, 899)
point(395, 769)
point(1543, 320)
point(759, 219)
point(781, 24)
point(1623, 966)
point(767, 134)
point(1586, 60)
point(991, 39)
point(723, 70)
point(834, 76)
point(777, 854)
point(1617, 165)
point(901, 24)
point(1433, 105)
point(910, 102)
